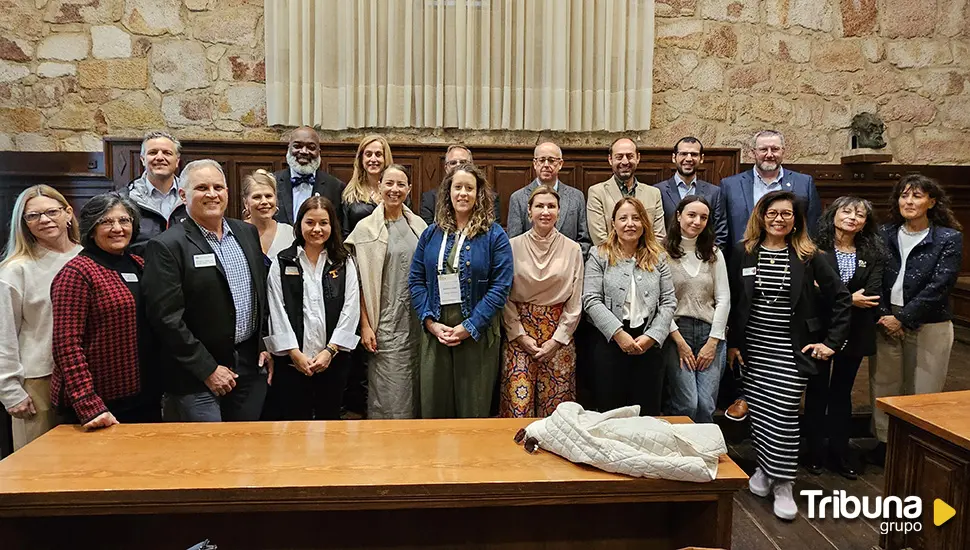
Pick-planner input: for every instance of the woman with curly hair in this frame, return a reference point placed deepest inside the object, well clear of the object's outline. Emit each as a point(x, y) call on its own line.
point(460, 278)
point(925, 246)
point(848, 234)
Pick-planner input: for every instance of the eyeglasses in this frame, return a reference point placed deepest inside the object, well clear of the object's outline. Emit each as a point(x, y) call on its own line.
point(51, 213)
point(547, 160)
point(786, 215)
point(766, 150)
point(123, 221)
point(456, 162)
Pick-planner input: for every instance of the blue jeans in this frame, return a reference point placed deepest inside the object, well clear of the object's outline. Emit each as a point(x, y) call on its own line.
point(693, 393)
point(243, 404)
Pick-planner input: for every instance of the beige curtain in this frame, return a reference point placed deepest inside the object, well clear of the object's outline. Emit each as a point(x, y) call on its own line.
point(572, 65)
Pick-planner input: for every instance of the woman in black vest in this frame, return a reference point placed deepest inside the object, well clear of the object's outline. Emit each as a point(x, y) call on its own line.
point(314, 312)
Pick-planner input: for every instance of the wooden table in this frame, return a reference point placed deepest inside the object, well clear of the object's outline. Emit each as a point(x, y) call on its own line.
point(928, 456)
point(355, 484)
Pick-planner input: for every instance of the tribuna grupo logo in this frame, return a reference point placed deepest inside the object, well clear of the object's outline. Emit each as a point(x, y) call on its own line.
point(899, 515)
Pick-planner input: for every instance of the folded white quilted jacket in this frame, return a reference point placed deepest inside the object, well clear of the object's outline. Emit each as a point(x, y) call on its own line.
point(621, 441)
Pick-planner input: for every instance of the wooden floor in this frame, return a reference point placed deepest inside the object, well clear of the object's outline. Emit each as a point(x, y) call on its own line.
point(757, 528)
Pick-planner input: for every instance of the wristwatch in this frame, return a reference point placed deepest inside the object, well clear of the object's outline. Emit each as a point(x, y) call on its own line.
point(334, 350)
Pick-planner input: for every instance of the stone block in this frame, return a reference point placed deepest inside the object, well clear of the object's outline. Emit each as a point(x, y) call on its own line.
point(83, 11)
point(954, 18)
point(237, 26)
point(810, 14)
point(179, 65)
point(6, 142)
point(125, 74)
point(838, 55)
point(788, 47)
point(956, 112)
point(64, 46)
point(34, 142)
point(708, 76)
point(729, 10)
point(721, 42)
point(874, 50)
point(908, 107)
point(750, 77)
point(49, 69)
point(944, 82)
point(715, 106)
point(674, 8)
point(668, 73)
point(858, 17)
point(51, 92)
point(187, 109)
point(153, 17)
point(907, 18)
point(245, 103)
point(196, 5)
point(245, 68)
point(748, 47)
point(680, 33)
point(879, 82)
point(74, 115)
point(108, 41)
point(134, 110)
point(12, 72)
point(919, 53)
point(17, 49)
point(215, 53)
point(807, 111)
point(836, 114)
point(20, 119)
point(941, 145)
point(86, 142)
point(827, 84)
point(769, 109)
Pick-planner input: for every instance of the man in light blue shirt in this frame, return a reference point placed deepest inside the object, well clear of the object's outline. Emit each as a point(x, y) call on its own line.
point(156, 191)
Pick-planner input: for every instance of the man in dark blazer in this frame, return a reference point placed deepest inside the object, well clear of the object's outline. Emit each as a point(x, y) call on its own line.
point(204, 288)
point(304, 178)
point(687, 156)
point(455, 155)
point(741, 192)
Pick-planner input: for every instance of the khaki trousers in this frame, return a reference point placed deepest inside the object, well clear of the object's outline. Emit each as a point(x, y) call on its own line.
point(914, 365)
point(29, 429)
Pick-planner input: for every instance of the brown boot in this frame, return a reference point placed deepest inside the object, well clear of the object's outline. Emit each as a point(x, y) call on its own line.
point(738, 410)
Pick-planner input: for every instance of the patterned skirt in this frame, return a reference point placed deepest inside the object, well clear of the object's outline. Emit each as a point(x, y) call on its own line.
point(531, 388)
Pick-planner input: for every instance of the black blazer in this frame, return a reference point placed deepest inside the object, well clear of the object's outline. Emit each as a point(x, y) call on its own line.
point(428, 199)
point(671, 198)
point(861, 339)
point(191, 309)
point(814, 320)
point(325, 185)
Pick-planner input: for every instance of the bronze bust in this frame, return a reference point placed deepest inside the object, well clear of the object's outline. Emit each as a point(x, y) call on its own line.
point(867, 129)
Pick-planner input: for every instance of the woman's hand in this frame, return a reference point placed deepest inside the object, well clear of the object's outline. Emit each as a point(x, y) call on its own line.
point(368, 338)
point(894, 328)
point(103, 420)
point(23, 410)
point(547, 350)
point(734, 354)
point(301, 362)
point(626, 342)
point(706, 355)
point(644, 343)
point(819, 352)
point(459, 333)
point(859, 299)
point(321, 361)
point(687, 361)
point(528, 344)
point(442, 332)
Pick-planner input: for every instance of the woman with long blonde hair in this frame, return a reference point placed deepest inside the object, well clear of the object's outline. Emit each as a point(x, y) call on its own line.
point(44, 236)
point(363, 192)
point(629, 296)
point(781, 328)
point(459, 281)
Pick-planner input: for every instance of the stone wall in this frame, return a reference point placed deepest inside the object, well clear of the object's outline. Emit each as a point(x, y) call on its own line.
point(72, 71)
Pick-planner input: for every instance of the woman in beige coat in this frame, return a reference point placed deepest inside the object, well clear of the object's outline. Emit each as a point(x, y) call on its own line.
point(384, 244)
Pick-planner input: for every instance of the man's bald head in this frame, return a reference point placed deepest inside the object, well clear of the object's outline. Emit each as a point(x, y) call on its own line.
point(547, 160)
point(303, 153)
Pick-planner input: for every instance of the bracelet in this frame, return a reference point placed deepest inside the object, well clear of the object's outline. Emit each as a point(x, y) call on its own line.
point(333, 350)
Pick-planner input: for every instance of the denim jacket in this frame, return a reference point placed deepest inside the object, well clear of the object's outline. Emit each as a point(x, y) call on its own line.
point(484, 271)
point(931, 271)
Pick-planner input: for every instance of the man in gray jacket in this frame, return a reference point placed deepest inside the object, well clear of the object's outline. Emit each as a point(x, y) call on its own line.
point(156, 191)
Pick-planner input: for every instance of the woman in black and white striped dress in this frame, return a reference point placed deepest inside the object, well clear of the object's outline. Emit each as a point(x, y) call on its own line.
point(781, 324)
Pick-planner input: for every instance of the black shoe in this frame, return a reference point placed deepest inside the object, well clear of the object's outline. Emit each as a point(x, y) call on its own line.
point(814, 468)
point(844, 468)
point(877, 456)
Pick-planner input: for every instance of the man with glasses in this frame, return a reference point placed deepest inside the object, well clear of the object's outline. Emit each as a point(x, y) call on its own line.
point(547, 161)
point(303, 178)
point(687, 156)
point(624, 159)
point(155, 193)
point(741, 192)
point(455, 155)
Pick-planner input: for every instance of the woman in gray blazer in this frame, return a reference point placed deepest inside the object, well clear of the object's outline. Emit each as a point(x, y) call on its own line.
point(629, 296)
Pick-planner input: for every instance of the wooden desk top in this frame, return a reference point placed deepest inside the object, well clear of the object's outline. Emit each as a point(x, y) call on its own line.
point(946, 415)
point(155, 468)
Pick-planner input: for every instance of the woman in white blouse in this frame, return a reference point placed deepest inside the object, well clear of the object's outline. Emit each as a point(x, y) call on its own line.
point(695, 352)
point(259, 207)
point(314, 309)
point(43, 237)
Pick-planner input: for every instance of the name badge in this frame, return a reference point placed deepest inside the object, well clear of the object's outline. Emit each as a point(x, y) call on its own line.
point(129, 277)
point(862, 263)
point(449, 289)
point(749, 271)
point(291, 270)
point(204, 260)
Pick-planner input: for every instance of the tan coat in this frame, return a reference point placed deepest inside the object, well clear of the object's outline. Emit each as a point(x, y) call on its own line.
point(602, 197)
point(368, 244)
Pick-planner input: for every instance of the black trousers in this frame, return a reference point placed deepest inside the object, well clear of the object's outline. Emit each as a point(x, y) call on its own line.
point(620, 379)
point(296, 396)
point(830, 391)
point(355, 394)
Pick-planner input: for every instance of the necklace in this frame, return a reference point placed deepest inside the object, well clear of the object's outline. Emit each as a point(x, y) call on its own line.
point(765, 287)
point(911, 233)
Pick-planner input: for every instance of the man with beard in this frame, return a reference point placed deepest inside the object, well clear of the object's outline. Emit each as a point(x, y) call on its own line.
point(156, 191)
point(304, 179)
point(603, 196)
point(547, 161)
point(687, 156)
point(741, 192)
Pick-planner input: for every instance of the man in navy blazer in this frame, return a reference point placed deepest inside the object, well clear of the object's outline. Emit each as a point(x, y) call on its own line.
point(687, 156)
point(303, 178)
point(741, 192)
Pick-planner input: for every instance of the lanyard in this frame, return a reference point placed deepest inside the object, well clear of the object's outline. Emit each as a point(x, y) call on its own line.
point(441, 252)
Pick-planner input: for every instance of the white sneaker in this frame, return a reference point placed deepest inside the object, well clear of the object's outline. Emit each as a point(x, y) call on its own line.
point(760, 483)
point(785, 507)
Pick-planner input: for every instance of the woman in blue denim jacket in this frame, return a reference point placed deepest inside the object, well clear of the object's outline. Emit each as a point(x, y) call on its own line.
point(925, 247)
point(459, 281)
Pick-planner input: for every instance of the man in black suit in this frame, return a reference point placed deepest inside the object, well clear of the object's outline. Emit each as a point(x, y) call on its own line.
point(304, 179)
point(455, 155)
point(687, 156)
point(204, 288)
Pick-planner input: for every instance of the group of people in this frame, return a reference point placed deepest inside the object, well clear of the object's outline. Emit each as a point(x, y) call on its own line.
point(150, 304)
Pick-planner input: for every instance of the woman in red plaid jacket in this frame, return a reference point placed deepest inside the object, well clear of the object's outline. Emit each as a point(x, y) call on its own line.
point(101, 376)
